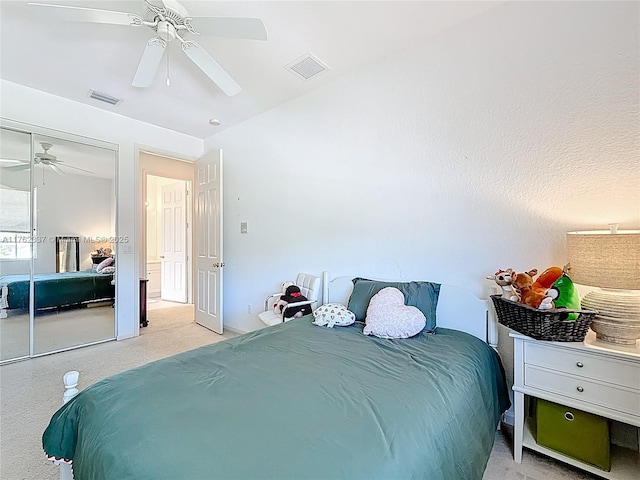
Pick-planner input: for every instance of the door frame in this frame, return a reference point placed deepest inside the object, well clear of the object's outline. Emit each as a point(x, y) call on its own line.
point(163, 169)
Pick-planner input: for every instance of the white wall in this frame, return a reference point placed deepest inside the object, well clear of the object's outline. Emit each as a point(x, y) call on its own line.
point(26, 105)
point(153, 217)
point(475, 150)
point(72, 205)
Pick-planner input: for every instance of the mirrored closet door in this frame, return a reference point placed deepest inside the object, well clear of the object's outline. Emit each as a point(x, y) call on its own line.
point(15, 245)
point(69, 263)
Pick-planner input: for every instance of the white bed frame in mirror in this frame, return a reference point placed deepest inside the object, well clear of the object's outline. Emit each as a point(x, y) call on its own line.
point(458, 308)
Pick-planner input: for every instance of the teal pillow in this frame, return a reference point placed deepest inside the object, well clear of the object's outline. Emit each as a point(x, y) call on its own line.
point(422, 295)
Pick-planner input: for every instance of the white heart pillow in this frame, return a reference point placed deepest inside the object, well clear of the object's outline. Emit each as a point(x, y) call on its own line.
point(331, 314)
point(388, 316)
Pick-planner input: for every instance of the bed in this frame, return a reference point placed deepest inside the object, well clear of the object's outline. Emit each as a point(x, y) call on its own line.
point(54, 290)
point(298, 401)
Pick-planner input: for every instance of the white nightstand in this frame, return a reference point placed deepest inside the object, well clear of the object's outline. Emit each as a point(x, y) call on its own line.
point(590, 376)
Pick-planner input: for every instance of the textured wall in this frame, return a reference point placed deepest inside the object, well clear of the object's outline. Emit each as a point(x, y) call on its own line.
point(474, 150)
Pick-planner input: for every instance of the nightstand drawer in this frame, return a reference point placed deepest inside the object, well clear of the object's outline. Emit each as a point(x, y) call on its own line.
point(607, 396)
point(583, 364)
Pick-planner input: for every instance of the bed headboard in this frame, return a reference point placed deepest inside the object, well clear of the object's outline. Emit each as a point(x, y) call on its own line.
point(458, 308)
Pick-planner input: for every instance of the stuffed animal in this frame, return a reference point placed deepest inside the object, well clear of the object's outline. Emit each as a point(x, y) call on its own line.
point(279, 305)
point(284, 285)
point(503, 279)
point(523, 282)
point(546, 279)
point(565, 294)
point(292, 295)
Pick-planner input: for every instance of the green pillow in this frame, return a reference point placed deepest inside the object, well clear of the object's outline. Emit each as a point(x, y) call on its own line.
point(566, 295)
point(422, 295)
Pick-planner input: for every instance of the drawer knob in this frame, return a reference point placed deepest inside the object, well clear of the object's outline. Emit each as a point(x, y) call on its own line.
point(579, 364)
point(569, 416)
point(580, 389)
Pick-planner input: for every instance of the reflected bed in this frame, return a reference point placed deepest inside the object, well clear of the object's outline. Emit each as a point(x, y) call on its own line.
point(55, 290)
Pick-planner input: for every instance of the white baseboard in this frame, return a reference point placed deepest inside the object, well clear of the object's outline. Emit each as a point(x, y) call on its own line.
point(234, 330)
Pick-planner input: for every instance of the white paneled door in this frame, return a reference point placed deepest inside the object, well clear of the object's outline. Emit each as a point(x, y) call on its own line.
point(173, 270)
point(208, 248)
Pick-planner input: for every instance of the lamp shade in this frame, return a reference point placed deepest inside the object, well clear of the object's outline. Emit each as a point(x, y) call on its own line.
point(605, 259)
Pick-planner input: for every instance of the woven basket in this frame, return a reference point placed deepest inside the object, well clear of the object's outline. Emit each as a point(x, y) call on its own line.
point(551, 325)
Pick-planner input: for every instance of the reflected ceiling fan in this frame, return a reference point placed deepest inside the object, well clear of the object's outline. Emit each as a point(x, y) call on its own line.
point(46, 159)
point(170, 21)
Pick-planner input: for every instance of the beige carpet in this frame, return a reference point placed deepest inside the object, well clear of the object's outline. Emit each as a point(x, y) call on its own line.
point(31, 391)
point(56, 329)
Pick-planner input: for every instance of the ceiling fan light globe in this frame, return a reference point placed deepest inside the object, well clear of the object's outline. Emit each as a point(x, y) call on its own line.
point(166, 31)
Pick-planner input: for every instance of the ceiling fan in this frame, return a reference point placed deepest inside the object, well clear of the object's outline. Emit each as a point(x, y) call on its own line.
point(170, 21)
point(46, 159)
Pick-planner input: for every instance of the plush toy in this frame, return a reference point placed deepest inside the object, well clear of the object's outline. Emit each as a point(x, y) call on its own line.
point(292, 295)
point(565, 294)
point(279, 305)
point(522, 282)
point(503, 279)
point(284, 285)
point(546, 279)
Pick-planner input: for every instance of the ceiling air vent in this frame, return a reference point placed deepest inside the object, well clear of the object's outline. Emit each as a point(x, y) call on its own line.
point(307, 66)
point(103, 97)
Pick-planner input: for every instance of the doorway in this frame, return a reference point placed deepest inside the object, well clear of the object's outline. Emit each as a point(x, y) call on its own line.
point(204, 259)
point(167, 239)
point(167, 212)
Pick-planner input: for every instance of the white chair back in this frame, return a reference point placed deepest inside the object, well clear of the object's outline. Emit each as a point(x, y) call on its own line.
point(309, 285)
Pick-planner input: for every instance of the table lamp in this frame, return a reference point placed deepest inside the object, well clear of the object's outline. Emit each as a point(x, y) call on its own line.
point(610, 260)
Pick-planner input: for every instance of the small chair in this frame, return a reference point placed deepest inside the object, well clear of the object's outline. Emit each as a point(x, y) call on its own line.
point(309, 287)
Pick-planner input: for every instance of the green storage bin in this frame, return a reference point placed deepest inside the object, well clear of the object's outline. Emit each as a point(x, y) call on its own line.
point(574, 433)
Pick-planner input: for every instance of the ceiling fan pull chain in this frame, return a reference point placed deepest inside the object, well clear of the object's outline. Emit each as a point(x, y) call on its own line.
point(168, 81)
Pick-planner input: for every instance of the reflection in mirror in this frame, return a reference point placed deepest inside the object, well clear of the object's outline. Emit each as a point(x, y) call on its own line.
point(75, 198)
point(67, 254)
point(15, 248)
point(51, 295)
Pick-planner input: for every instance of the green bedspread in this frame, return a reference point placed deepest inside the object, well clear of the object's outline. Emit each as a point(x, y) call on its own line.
point(58, 289)
point(294, 401)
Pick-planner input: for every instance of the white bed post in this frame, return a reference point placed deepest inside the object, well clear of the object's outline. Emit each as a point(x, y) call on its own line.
point(70, 380)
point(4, 300)
point(325, 287)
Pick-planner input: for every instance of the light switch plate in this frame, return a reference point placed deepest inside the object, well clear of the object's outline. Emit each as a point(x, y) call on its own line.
point(243, 227)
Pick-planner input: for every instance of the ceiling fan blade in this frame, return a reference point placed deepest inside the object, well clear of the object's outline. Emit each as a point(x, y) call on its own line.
point(76, 168)
point(149, 62)
point(12, 160)
point(234, 27)
point(17, 168)
point(55, 168)
point(211, 68)
point(81, 14)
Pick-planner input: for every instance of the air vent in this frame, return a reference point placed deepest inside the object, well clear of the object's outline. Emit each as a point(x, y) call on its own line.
point(103, 97)
point(307, 66)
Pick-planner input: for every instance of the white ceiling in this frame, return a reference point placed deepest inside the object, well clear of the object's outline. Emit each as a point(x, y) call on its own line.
point(70, 58)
